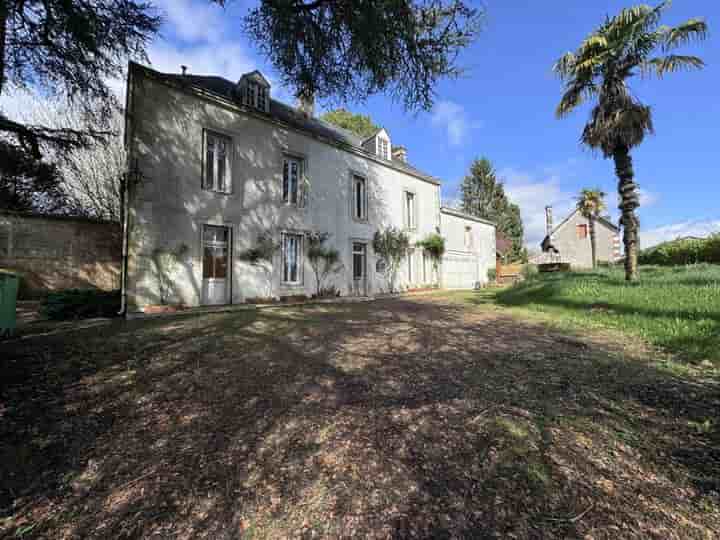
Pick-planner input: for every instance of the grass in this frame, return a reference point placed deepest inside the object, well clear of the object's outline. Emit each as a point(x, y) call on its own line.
point(676, 308)
point(423, 417)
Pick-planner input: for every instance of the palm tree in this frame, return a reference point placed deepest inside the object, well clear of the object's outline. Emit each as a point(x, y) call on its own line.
point(591, 203)
point(620, 48)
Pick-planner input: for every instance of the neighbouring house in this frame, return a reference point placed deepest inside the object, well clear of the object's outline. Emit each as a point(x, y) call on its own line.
point(222, 163)
point(569, 242)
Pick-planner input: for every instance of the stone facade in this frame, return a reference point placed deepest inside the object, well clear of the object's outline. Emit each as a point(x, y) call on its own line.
point(167, 123)
point(54, 253)
point(571, 241)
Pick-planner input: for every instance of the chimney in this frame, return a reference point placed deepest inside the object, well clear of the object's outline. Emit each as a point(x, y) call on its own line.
point(548, 219)
point(399, 153)
point(306, 103)
point(184, 70)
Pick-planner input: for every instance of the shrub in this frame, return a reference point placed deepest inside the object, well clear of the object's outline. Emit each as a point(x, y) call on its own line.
point(434, 247)
point(529, 271)
point(683, 251)
point(324, 260)
point(492, 274)
point(80, 304)
point(391, 244)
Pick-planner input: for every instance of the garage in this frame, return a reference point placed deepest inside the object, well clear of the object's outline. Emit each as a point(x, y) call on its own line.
point(460, 271)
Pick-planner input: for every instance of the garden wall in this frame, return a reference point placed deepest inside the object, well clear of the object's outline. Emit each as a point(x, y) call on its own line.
point(54, 253)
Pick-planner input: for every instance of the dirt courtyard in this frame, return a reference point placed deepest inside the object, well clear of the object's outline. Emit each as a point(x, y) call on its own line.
point(429, 417)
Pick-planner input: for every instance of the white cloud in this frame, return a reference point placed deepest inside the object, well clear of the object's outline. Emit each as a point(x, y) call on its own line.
point(656, 235)
point(647, 198)
point(194, 20)
point(450, 116)
point(532, 193)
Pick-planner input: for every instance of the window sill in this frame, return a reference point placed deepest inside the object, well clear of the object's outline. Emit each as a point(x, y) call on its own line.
point(215, 192)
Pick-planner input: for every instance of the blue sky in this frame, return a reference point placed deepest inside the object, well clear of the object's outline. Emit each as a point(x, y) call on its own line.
point(503, 109)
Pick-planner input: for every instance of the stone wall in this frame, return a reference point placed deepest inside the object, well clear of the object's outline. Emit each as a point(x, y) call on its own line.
point(54, 253)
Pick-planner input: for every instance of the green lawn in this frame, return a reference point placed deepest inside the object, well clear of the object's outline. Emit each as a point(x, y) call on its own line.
point(676, 308)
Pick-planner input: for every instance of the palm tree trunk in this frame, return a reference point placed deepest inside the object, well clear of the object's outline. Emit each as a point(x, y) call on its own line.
point(593, 241)
point(3, 31)
point(629, 201)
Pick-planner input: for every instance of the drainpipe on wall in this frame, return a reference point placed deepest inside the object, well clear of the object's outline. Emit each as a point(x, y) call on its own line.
point(124, 197)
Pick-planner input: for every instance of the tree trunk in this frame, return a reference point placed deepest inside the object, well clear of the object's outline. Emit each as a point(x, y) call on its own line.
point(3, 32)
point(629, 201)
point(593, 241)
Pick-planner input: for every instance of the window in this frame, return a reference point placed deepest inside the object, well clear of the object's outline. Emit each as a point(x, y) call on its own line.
point(261, 97)
point(582, 231)
point(409, 210)
point(383, 148)
point(359, 197)
point(468, 238)
point(358, 260)
point(256, 96)
point(215, 252)
point(218, 165)
point(292, 180)
point(292, 259)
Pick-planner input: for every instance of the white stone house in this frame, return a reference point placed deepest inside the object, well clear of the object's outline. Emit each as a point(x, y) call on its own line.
point(221, 163)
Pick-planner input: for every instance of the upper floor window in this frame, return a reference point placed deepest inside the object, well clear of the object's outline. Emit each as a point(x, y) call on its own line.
point(383, 148)
point(261, 97)
point(292, 180)
point(409, 210)
point(359, 197)
point(218, 162)
point(582, 231)
point(292, 258)
point(468, 238)
point(255, 95)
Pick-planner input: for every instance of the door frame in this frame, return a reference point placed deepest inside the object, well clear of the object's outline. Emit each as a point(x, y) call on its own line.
point(229, 278)
point(365, 279)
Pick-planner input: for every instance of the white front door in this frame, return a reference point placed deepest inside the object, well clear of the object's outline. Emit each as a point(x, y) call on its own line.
point(359, 263)
point(216, 267)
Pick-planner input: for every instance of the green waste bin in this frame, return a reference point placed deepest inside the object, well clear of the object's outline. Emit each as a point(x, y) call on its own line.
point(8, 297)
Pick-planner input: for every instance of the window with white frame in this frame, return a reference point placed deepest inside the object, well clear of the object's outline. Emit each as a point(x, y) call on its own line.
point(292, 258)
point(383, 148)
point(218, 162)
point(359, 197)
point(410, 264)
point(261, 97)
point(468, 238)
point(292, 180)
point(409, 210)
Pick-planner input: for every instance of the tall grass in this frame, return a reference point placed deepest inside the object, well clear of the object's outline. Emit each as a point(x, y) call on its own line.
point(676, 308)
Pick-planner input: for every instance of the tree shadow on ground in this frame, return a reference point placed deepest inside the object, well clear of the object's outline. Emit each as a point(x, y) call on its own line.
point(390, 419)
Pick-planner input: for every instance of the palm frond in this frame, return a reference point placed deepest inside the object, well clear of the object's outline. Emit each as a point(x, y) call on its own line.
point(575, 95)
point(671, 63)
point(691, 30)
point(565, 65)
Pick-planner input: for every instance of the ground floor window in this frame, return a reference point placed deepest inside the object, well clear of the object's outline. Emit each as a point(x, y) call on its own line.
point(358, 260)
point(215, 252)
point(292, 258)
point(410, 261)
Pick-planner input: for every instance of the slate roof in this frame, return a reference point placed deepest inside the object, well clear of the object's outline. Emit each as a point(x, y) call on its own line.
point(286, 114)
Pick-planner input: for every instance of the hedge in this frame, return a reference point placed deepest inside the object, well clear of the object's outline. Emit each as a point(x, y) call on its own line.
point(80, 304)
point(683, 251)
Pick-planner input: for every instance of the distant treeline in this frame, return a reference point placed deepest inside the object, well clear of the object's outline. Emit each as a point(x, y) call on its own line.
point(683, 251)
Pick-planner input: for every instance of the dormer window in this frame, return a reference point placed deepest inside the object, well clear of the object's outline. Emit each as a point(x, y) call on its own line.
point(255, 91)
point(379, 144)
point(383, 148)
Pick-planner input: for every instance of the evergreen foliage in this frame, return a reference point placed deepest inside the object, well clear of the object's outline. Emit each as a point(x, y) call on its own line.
point(359, 124)
point(483, 195)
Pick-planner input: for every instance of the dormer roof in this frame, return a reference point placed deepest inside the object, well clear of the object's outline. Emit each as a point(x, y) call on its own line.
point(255, 76)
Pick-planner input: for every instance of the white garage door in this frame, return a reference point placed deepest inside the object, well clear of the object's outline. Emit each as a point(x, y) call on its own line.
point(459, 271)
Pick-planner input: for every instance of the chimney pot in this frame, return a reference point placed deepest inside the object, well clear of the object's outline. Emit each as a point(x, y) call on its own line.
point(548, 220)
point(399, 153)
point(306, 103)
point(184, 69)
